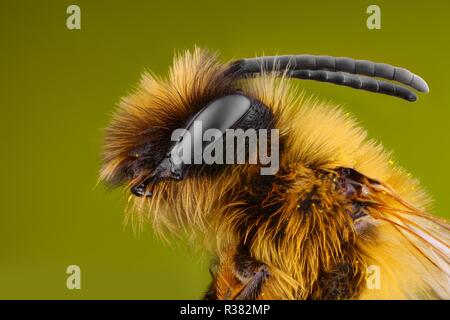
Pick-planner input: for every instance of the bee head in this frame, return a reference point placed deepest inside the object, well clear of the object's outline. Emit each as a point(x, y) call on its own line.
point(159, 136)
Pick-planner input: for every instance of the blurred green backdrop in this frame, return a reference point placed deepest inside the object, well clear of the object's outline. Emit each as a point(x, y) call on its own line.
point(59, 86)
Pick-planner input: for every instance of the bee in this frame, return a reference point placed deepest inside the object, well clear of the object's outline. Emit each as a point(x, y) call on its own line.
point(337, 206)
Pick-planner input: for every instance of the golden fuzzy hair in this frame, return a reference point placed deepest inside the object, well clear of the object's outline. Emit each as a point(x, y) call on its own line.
point(296, 222)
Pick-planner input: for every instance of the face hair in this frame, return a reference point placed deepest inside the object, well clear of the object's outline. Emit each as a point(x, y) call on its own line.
point(348, 72)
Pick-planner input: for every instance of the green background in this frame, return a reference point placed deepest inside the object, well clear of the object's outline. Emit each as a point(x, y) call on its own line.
point(58, 88)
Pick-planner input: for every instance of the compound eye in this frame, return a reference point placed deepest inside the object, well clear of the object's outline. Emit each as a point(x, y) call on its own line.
point(221, 114)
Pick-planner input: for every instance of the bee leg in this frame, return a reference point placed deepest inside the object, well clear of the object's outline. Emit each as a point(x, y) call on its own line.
point(238, 277)
point(211, 293)
point(336, 285)
point(253, 274)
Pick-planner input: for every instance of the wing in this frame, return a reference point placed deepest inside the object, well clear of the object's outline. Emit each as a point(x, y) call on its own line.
point(408, 239)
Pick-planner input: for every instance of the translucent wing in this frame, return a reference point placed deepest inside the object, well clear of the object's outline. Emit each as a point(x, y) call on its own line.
point(424, 236)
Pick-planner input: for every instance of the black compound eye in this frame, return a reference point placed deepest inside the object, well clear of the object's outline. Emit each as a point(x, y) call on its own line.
point(235, 111)
point(221, 114)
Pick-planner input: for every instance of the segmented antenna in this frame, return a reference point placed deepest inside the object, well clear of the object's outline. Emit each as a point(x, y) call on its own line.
point(358, 74)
